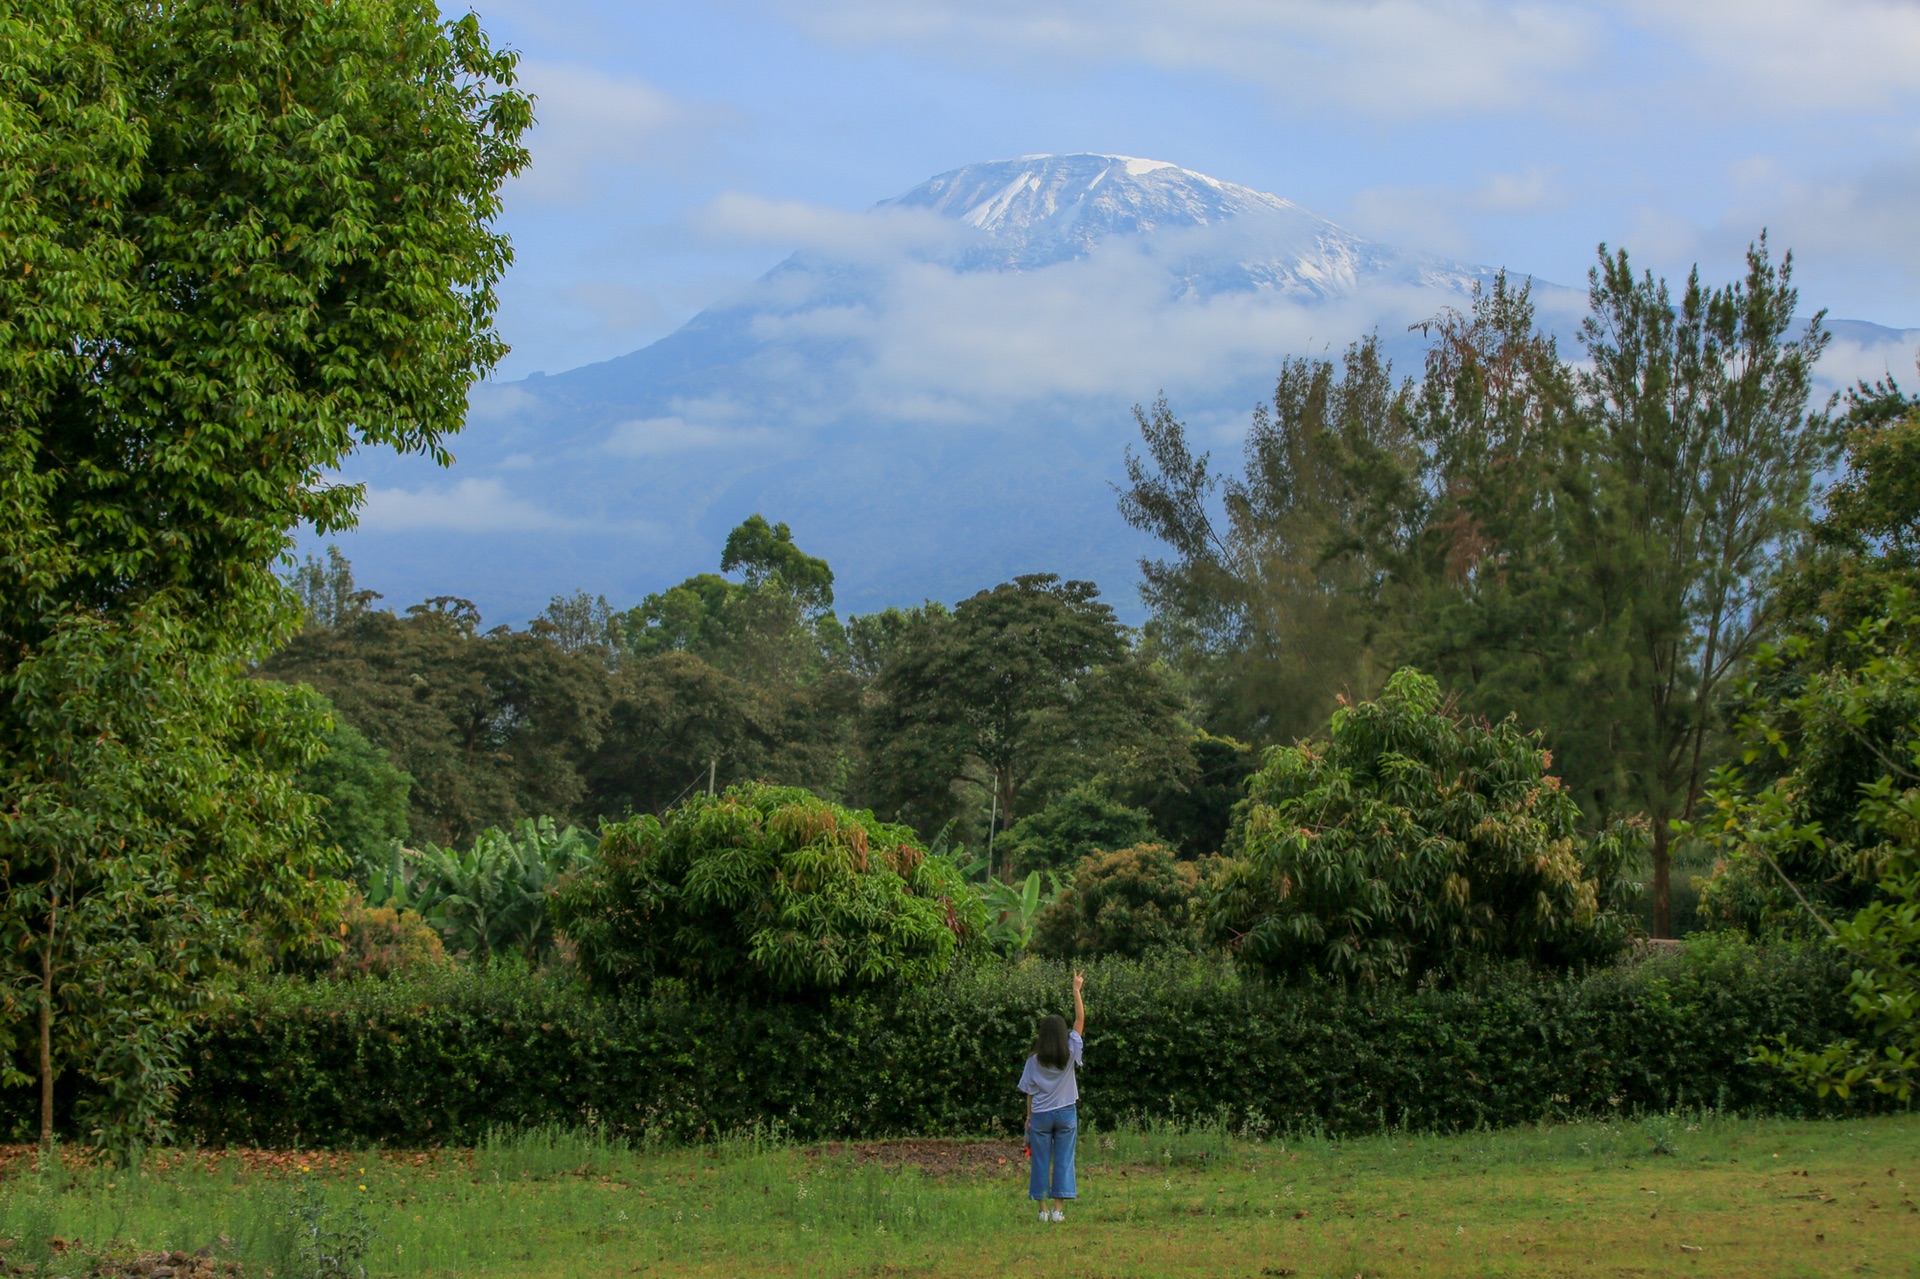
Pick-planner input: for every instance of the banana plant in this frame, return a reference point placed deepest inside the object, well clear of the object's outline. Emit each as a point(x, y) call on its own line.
point(1011, 908)
point(490, 899)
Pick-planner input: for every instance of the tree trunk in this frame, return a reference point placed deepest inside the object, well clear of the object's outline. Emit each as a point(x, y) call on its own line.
point(46, 1015)
point(46, 1046)
point(1662, 880)
point(1003, 794)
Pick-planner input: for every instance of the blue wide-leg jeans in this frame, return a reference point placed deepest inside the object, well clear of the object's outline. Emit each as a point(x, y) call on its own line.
point(1050, 1135)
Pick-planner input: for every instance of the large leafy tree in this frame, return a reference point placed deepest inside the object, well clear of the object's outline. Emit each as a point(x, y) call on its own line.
point(1799, 840)
point(1865, 545)
point(1131, 900)
point(763, 686)
point(1084, 820)
point(765, 555)
point(1486, 596)
point(153, 840)
point(674, 723)
point(1029, 687)
point(237, 240)
point(1828, 713)
point(492, 726)
point(364, 797)
point(1267, 604)
point(1821, 819)
point(1414, 840)
point(765, 888)
point(1703, 461)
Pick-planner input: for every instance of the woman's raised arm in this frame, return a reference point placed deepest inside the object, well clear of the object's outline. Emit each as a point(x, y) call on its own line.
point(1079, 1005)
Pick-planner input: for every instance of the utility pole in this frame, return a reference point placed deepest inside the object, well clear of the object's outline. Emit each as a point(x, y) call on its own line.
point(993, 822)
point(713, 766)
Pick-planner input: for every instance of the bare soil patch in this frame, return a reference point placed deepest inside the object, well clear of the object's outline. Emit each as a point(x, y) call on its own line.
point(936, 1156)
point(19, 1158)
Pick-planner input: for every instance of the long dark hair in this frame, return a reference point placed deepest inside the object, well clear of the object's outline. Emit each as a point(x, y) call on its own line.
point(1050, 1042)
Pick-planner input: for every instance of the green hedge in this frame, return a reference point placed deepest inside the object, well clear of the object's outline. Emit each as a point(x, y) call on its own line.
point(441, 1058)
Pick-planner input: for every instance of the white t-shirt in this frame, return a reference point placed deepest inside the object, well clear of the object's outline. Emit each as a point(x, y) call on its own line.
point(1053, 1089)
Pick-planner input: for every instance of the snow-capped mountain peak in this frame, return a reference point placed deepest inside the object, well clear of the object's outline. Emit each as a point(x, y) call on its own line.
point(1043, 210)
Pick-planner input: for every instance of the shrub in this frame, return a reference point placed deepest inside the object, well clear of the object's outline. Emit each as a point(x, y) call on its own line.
point(1410, 841)
point(1797, 844)
point(1084, 820)
point(1800, 862)
point(379, 941)
point(767, 888)
point(1127, 902)
point(440, 1056)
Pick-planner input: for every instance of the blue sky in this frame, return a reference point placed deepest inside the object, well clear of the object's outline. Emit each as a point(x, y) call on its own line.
point(1501, 133)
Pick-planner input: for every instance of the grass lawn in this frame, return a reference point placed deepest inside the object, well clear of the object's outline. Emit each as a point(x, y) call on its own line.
point(1650, 1197)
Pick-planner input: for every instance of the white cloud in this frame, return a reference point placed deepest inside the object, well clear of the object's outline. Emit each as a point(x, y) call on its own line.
point(656, 436)
point(1851, 232)
point(1792, 54)
point(590, 126)
point(878, 234)
point(1391, 58)
point(1410, 59)
point(469, 506)
point(489, 402)
point(1849, 361)
point(936, 345)
point(1873, 213)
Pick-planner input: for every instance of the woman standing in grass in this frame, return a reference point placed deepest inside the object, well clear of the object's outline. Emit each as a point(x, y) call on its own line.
point(1052, 1095)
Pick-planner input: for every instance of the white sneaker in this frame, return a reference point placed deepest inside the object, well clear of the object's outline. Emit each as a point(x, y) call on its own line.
point(1057, 1215)
point(1045, 1215)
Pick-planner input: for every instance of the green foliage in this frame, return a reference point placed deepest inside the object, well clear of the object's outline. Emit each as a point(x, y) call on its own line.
point(765, 888)
point(491, 727)
point(445, 1056)
point(1415, 841)
point(673, 718)
point(326, 591)
point(1194, 813)
point(1883, 944)
point(1032, 684)
point(766, 556)
point(1866, 544)
point(1012, 908)
point(580, 623)
point(1131, 902)
point(1084, 820)
point(1264, 604)
point(1799, 842)
point(688, 618)
point(1790, 859)
point(1704, 469)
point(366, 796)
point(244, 239)
point(379, 941)
point(749, 679)
point(1588, 549)
point(322, 1240)
point(492, 899)
point(152, 844)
